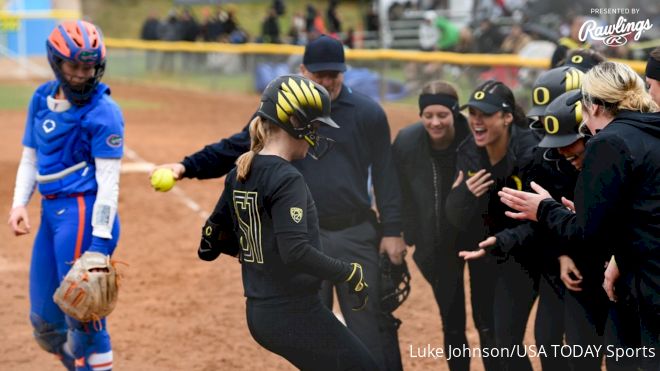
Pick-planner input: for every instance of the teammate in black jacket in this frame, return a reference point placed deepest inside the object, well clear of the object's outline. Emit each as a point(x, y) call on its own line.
point(617, 198)
point(494, 157)
point(425, 154)
point(338, 182)
point(267, 215)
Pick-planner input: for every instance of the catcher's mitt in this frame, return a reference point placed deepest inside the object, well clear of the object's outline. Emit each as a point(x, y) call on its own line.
point(89, 291)
point(394, 284)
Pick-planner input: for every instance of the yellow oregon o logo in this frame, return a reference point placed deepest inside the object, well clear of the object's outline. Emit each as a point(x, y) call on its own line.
point(578, 112)
point(541, 96)
point(208, 230)
point(577, 59)
point(479, 95)
point(551, 124)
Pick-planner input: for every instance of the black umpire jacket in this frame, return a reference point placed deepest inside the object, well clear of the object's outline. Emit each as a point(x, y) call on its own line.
point(617, 202)
point(483, 216)
point(422, 183)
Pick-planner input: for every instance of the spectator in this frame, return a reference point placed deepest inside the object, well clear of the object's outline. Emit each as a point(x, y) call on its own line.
point(189, 26)
point(151, 31)
point(211, 28)
point(449, 34)
point(279, 7)
point(488, 37)
point(171, 32)
point(516, 40)
point(151, 28)
point(572, 41)
point(371, 21)
point(334, 23)
point(429, 34)
point(270, 28)
point(298, 31)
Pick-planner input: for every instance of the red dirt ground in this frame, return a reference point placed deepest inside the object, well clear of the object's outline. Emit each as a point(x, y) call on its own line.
point(175, 311)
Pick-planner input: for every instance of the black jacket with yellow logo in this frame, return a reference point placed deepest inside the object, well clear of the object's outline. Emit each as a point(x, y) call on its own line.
point(484, 216)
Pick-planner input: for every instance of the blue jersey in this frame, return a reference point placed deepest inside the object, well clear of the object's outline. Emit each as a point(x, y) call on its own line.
point(63, 140)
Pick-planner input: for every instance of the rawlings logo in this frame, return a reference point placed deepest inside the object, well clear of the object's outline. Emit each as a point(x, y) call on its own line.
point(87, 56)
point(114, 140)
point(614, 35)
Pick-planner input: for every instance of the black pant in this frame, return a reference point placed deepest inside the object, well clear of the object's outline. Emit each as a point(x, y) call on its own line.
point(307, 334)
point(483, 279)
point(444, 271)
point(586, 313)
point(550, 325)
point(360, 244)
point(515, 292)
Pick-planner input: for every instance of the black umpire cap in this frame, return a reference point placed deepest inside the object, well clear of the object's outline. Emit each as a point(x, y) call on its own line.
point(551, 84)
point(324, 54)
point(561, 120)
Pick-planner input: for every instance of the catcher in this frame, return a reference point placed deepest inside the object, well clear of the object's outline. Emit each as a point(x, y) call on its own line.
point(72, 148)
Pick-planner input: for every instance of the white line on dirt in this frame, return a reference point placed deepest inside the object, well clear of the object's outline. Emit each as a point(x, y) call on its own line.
point(140, 165)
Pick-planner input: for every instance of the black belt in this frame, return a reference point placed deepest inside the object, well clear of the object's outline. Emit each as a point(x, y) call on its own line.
point(339, 222)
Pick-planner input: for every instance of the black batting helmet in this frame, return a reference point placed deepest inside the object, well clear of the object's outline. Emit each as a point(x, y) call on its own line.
point(551, 84)
point(561, 121)
point(295, 96)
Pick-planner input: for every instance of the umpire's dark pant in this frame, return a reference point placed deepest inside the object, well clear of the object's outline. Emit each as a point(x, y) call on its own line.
point(360, 244)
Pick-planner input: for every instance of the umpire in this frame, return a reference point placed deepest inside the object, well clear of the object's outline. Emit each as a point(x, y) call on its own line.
point(338, 182)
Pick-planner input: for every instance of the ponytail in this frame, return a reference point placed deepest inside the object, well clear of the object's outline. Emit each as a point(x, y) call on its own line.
point(615, 86)
point(259, 130)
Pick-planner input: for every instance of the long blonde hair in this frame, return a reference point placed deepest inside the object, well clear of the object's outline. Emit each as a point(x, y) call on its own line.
point(618, 87)
point(259, 132)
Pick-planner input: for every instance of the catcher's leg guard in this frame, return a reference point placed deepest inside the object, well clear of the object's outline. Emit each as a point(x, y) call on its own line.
point(52, 338)
point(91, 347)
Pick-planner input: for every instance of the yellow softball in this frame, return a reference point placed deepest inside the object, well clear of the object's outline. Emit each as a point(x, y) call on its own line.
point(162, 180)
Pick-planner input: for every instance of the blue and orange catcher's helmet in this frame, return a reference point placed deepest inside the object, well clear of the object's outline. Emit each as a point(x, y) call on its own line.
point(77, 42)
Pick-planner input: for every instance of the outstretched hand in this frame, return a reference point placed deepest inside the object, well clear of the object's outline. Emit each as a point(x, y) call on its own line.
point(177, 169)
point(526, 203)
point(483, 245)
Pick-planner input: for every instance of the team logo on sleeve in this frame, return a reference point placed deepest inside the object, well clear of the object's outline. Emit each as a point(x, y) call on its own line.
point(114, 140)
point(296, 214)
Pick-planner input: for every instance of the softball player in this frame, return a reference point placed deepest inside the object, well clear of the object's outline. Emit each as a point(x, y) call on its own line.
point(425, 155)
point(617, 193)
point(504, 289)
point(268, 205)
point(73, 144)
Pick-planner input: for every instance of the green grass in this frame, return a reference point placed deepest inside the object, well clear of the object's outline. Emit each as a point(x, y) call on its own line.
point(123, 18)
point(15, 97)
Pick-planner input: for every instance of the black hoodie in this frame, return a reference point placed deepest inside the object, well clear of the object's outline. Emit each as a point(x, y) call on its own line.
point(617, 202)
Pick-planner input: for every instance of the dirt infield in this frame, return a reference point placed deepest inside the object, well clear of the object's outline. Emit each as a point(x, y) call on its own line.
point(175, 311)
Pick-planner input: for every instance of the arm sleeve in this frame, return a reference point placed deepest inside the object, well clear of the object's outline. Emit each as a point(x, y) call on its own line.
point(461, 207)
point(216, 160)
point(386, 184)
point(510, 239)
point(26, 177)
point(407, 210)
point(298, 254)
point(105, 206)
point(292, 234)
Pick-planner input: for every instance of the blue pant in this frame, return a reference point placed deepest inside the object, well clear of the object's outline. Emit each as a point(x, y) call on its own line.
point(65, 233)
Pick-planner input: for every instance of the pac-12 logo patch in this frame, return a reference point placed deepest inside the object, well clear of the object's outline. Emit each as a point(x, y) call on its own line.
point(296, 214)
point(114, 140)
